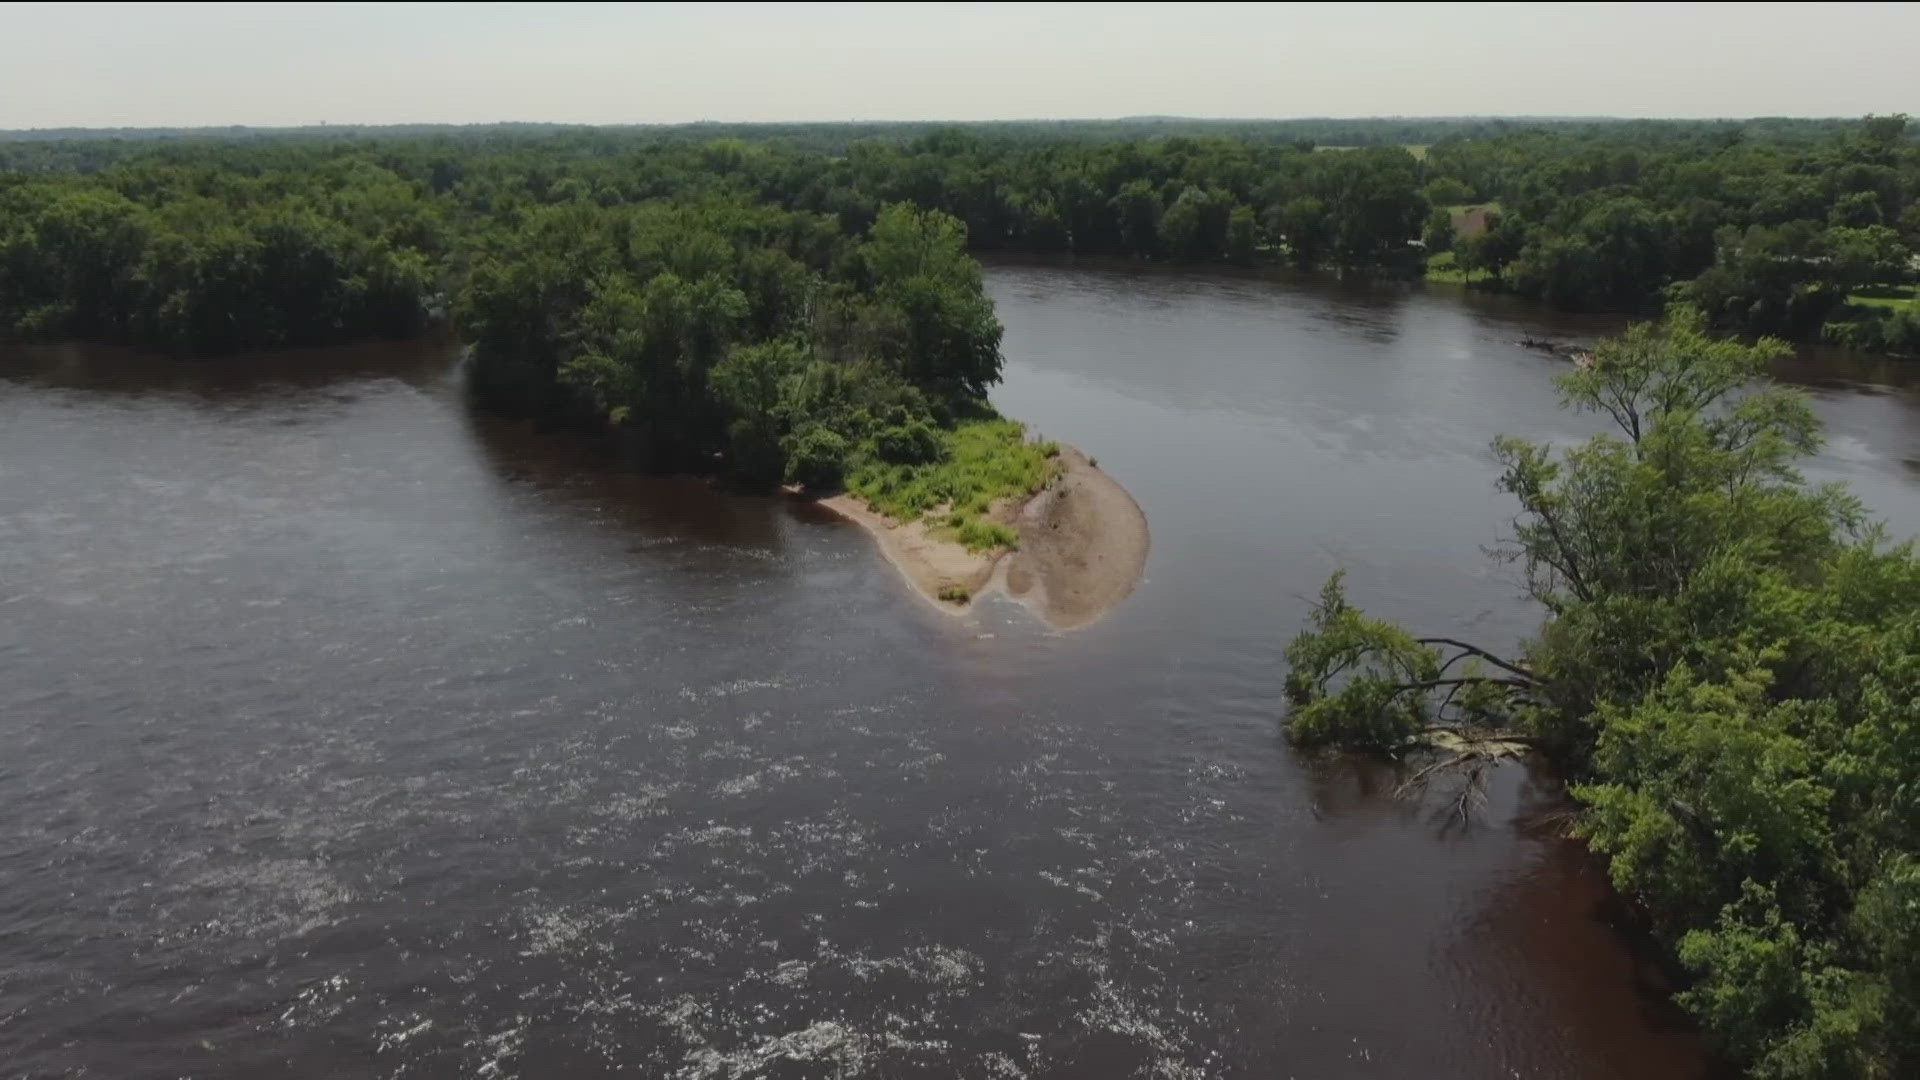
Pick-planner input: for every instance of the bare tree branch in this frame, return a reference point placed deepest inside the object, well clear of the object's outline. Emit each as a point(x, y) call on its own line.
point(1476, 650)
point(1468, 680)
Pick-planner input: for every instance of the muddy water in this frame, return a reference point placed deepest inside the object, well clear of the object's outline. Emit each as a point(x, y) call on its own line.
point(349, 732)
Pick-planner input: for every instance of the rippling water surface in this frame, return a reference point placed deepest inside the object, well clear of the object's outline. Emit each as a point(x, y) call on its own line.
point(349, 732)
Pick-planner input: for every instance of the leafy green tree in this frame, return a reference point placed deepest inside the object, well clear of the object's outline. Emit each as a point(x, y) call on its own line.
point(754, 386)
point(1180, 227)
point(1773, 279)
point(1494, 250)
point(82, 257)
point(1243, 236)
point(1884, 131)
point(643, 354)
point(1612, 256)
point(1357, 681)
point(1447, 191)
point(1857, 210)
point(1856, 257)
point(1373, 203)
point(917, 261)
point(1439, 232)
point(1729, 669)
point(1304, 224)
point(1138, 209)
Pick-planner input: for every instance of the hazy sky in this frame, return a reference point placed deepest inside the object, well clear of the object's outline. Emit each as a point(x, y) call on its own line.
point(191, 64)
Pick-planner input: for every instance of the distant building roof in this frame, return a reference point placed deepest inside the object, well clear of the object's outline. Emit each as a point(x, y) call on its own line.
point(1473, 220)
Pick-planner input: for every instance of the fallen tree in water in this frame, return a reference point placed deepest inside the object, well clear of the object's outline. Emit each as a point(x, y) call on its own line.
point(1364, 684)
point(1368, 685)
point(1728, 669)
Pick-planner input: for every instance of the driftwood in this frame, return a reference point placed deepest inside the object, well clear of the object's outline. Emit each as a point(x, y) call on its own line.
point(1468, 746)
point(1578, 354)
point(1467, 754)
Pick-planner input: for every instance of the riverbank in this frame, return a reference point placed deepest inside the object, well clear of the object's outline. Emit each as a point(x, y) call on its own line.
point(1083, 548)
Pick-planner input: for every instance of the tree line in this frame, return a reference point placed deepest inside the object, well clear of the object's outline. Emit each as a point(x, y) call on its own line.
point(1805, 229)
point(1770, 237)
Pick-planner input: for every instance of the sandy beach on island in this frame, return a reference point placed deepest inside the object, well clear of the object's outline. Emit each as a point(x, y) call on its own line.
point(1083, 547)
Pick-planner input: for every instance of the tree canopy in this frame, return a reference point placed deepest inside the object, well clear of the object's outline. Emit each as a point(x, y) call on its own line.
point(175, 241)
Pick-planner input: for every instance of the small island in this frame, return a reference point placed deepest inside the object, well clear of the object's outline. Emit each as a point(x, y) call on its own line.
point(1080, 546)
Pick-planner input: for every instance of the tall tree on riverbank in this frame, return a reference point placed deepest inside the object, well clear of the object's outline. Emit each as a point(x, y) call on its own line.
point(1729, 669)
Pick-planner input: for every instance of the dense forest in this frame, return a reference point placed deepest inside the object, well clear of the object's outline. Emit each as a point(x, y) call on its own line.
point(1765, 237)
point(1728, 670)
point(1796, 228)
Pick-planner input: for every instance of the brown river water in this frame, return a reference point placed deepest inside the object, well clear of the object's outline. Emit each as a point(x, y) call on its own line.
point(349, 732)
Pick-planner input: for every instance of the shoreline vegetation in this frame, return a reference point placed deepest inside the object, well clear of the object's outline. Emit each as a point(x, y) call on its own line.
point(1727, 672)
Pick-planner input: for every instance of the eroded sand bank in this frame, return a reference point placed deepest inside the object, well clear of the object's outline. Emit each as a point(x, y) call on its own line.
point(1083, 548)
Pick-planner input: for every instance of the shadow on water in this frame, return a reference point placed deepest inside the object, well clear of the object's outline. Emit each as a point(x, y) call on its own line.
point(267, 377)
point(1837, 369)
point(588, 473)
point(578, 469)
point(1544, 970)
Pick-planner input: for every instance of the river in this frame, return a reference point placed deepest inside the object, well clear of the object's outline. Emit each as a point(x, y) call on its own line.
point(352, 732)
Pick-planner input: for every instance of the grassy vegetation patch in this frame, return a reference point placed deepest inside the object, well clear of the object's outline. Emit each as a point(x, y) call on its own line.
point(1883, 296)
point(982, 461)
point(1445, 267)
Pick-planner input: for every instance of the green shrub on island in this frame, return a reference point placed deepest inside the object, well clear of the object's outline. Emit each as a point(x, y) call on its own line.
point(982, 462)
point(977, 533)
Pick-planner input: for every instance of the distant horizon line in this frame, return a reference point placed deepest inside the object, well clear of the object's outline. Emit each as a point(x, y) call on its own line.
point(1142, 118)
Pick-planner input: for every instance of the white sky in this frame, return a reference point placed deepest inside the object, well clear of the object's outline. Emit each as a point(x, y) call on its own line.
point(266, 64)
